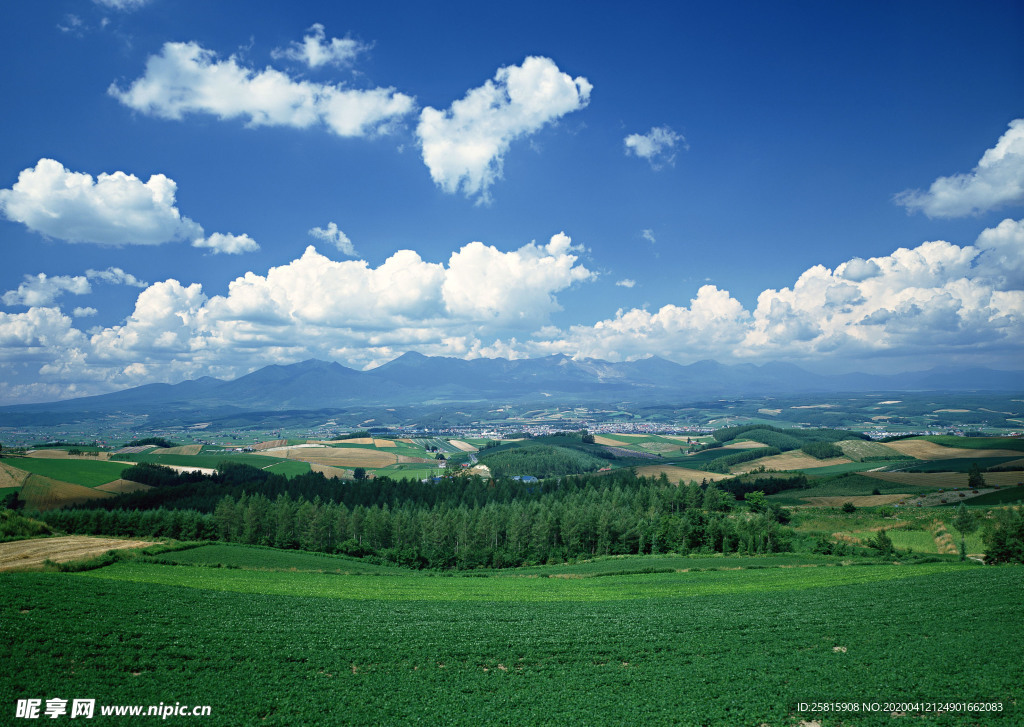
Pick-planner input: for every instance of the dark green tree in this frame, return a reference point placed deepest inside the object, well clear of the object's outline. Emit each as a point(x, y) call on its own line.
point(1004, 536)
point(966, 523)
point(975, 479)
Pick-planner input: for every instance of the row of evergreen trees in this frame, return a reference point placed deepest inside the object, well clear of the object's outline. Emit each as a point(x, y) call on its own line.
point(622, 514)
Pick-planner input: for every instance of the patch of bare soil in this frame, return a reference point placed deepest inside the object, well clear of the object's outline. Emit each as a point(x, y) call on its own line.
point(29, 554)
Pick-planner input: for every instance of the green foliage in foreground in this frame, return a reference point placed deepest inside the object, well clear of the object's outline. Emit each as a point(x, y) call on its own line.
point(1004, 536)
point(734, 647)
point(15, 527)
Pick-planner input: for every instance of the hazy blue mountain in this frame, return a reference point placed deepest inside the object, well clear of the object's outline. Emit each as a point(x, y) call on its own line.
point(417, 379)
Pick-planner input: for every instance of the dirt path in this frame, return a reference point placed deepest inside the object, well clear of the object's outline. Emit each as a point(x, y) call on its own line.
point(24, 554)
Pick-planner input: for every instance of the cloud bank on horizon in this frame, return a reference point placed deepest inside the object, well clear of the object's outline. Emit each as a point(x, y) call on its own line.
point(930, 300)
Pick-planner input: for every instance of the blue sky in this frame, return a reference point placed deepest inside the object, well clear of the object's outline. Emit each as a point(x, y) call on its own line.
point(194, 188)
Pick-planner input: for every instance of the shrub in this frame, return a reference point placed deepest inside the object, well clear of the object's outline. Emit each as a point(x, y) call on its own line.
point(1004, 536)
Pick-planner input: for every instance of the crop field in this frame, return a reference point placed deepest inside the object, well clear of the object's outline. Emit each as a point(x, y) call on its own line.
point(270, 444)
point(188, 449)
point(923, 541)
point(121, 486)
point(945, 480)
point(1009, 496)
point(958, 464)
point(845, 487)
point(22, 554)
point(11, 477)
point(207, 461)
point(44, 493)
point(715, 647)
point(463, 446)
point(257, 558)
point(788, 461)
point(342, 456)
point(89, 473)
point(923, 449)
point(857, 500)
point(288, 469)
point(328, 471)
point(411, 471)
point(838, 469)
point(679, 474)
point(64, 454)
point(1002, 443)
point(742, 444)
point(860, 449)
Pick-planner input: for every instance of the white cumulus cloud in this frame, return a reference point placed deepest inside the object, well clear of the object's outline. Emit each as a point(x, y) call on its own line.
point(997, 180)
point(657, 146)
point(315, 50)
point(185, 78)
point(937, 299)
point(464, 146)
point(42, 290)
point(112, 209)
point(227, 244)
point(116, 276)
point(84, 312)
point(336, 237)
point(122, 4)
point(626, 283)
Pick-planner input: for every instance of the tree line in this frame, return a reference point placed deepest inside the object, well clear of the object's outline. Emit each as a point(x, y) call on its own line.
point(601, 515)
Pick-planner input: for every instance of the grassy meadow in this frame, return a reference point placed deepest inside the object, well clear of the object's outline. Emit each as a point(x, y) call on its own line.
point(272, 640)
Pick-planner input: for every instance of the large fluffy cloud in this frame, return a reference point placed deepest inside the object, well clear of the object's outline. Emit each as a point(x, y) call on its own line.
point(185, 78)
point(311, 306)
point(935, 302)
point(998, 180)
point(464, 147)
point(937, 299)
point(113, 209)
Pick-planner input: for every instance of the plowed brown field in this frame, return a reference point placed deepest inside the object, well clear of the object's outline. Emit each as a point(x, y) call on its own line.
point(679, 475)
point(25, 554)
point(344, 457)
point(43, 493)
point(922, 449)
point(788, 461)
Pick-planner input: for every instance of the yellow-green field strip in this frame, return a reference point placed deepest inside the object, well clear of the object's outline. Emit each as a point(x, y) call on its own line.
point(505, 589)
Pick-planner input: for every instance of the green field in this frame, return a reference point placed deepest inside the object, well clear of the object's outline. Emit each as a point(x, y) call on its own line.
point(1004, 496)
point(838, 469)
point(1016, 443)
point(87, 472)
point(962, 464)
point(288, 468)
point(740, 647)
point(260, 558)
point(212, 460)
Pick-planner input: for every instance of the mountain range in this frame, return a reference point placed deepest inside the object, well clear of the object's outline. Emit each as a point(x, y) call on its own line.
point(413, 379)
